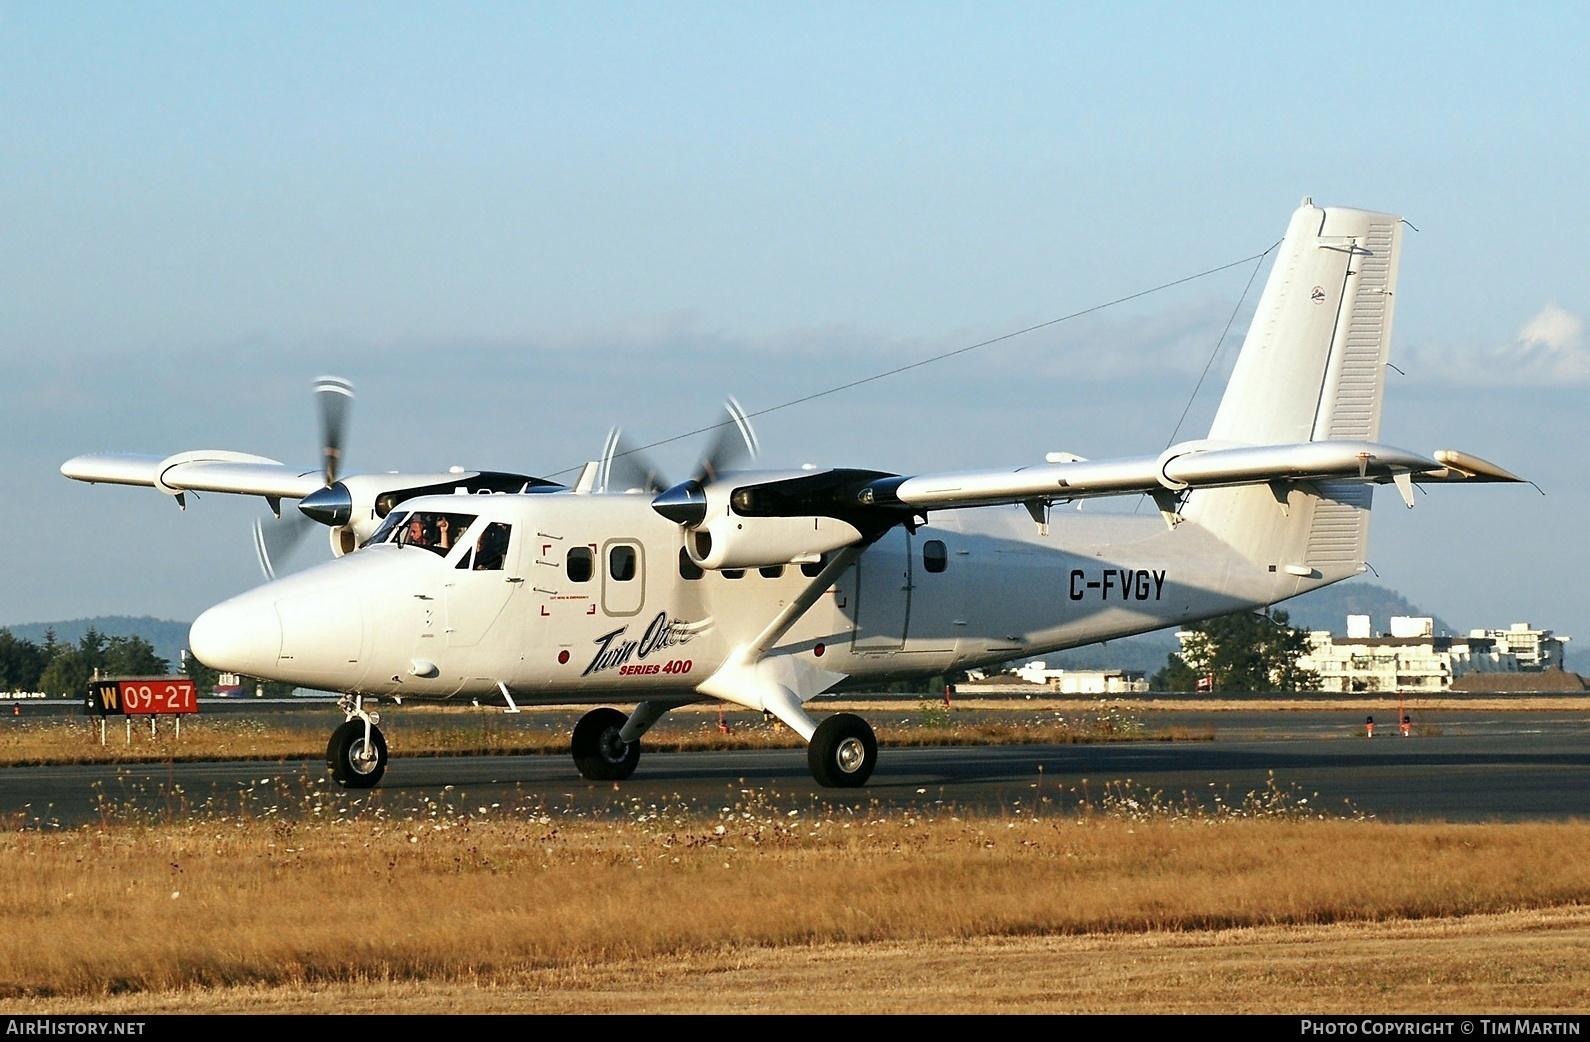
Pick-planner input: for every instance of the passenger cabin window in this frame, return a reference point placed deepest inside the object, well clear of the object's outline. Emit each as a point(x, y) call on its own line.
point(733, 573)
point(490, 552)
point(579, 564)
point(934, 556)
point(773, 572)
point(435, 532)
point(688, 569)
point(811, 569)
point(621, 563)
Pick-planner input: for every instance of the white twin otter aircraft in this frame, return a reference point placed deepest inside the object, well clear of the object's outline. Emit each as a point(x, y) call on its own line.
point(768, 589)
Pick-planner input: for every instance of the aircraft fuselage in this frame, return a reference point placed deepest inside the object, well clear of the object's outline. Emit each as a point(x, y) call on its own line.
point(593, 601)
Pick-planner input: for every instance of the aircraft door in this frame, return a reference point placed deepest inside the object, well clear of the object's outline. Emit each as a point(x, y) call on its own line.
point(623, 577)
point(883, 593)
point(481, 583)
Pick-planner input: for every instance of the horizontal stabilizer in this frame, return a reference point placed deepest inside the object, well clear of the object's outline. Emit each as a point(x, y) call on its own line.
point(1188, 466)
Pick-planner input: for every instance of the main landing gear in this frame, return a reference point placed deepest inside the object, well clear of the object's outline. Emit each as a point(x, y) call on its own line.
point(600, 753)
point(356, 754)
point(842, 752)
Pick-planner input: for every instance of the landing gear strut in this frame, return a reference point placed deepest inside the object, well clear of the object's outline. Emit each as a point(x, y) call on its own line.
point(843, 751)
point(356, 754)
point(599, 752)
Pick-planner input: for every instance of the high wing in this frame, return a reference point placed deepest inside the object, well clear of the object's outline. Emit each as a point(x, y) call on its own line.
point(353, 506)
point(201, 470)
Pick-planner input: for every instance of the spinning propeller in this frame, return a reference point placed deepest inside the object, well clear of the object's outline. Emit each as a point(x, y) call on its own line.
point(733, 444)
point(277, 537)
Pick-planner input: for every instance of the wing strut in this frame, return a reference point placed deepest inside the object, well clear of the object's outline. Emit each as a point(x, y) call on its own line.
point(791, 613)
point(781, 684)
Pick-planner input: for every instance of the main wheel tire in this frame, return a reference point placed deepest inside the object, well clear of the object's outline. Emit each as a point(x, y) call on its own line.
point(843, 751)
point(353, 763)
point(599, 753)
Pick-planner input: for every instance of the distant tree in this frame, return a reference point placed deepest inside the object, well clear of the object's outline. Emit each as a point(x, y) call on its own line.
point(71, 667)
point(21, 662)
point(68, 673)
point(1243, 651)
point(132, 657)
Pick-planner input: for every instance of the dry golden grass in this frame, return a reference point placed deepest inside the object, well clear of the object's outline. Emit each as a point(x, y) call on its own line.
point(513, 903)
point(1534, 962)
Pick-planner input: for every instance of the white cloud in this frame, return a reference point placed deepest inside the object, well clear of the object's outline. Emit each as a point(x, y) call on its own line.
point(1553, 345)
point(1548, 350)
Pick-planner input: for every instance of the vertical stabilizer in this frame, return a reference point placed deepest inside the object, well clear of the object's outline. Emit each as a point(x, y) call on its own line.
point(1312, 368)
point(1313, 364)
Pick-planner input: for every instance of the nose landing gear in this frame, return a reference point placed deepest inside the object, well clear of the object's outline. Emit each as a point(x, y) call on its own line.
point(356, 754)
point(599, 752)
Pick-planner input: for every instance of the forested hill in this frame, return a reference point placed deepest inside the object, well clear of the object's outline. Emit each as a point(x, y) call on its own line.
point(1328, 609)
point(168, 637)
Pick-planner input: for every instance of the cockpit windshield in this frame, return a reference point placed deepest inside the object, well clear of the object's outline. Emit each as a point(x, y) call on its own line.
point(436, 532)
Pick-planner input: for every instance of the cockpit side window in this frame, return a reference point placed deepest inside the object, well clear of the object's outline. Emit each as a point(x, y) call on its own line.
point(436, 532)
point(384, 533)
point(490, 551)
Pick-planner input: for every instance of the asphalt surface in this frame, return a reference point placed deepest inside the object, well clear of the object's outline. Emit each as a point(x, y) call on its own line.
point(1467, 766)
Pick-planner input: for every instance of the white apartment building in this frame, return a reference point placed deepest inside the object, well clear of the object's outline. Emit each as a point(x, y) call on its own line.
point(1534, 649)
point(1412, 659)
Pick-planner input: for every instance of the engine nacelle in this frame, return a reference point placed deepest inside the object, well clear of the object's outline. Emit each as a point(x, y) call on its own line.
point(345, 540)
point(732, 541)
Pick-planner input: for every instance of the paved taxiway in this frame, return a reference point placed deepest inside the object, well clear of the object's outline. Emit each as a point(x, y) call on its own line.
point(1464, 766)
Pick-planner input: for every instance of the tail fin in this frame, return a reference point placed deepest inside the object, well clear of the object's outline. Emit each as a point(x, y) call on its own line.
point(1312, 368)
point(1313, 364)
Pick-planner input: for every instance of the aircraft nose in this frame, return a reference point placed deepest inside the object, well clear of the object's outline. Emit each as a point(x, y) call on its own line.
point(242, 635)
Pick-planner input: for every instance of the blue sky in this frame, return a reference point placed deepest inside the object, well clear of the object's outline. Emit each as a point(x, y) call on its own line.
point(516, 225)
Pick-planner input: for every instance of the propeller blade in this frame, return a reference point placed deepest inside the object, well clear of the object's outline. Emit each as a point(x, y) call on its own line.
point(335, 396)
point(276, 538)
point(733, 443)
point(625, 467)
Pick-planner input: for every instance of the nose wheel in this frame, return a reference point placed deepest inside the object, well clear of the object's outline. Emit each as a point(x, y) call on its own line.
point(843, 751)
point(356, 760)
point(599, 753)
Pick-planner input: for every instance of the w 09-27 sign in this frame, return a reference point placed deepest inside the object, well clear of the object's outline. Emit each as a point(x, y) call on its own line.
point(143, 696)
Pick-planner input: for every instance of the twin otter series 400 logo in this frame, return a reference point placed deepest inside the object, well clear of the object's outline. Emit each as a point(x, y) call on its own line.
point(614, 652)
